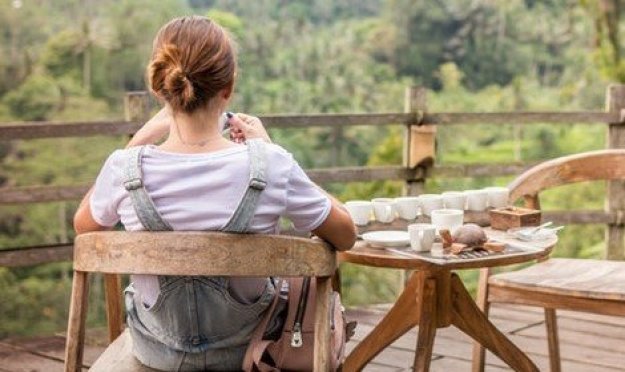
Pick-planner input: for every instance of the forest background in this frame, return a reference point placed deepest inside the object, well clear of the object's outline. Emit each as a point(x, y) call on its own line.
point(74, 59)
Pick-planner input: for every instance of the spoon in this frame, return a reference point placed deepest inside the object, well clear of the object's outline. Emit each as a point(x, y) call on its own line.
point(536, 229)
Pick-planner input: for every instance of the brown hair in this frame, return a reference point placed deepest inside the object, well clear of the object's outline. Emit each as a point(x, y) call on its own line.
point(193, 59)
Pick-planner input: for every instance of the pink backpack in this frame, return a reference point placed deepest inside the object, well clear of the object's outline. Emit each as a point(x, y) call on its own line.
point(293, 350)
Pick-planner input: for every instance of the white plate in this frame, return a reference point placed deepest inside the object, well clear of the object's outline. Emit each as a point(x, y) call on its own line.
point(542, 234)
point(390, 238)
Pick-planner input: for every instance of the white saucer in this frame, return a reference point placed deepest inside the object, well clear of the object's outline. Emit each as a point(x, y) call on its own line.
point(391, 238)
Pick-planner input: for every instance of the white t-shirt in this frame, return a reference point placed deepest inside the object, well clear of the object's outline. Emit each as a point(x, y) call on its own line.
point(196, 192)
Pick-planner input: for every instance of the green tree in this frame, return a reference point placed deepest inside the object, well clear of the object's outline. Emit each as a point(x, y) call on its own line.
point(35, 99)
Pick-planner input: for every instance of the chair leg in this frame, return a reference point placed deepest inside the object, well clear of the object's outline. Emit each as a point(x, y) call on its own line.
point(76, 325)
point(551, 323)
point(114, 313)
point(479, 352)
point(322, 325)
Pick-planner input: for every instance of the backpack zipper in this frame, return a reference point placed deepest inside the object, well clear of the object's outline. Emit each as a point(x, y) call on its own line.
point(296, 339)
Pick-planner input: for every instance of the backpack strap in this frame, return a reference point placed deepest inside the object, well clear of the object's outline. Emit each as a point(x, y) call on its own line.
point(143, 204)
point(242, 217)
point(252, 361)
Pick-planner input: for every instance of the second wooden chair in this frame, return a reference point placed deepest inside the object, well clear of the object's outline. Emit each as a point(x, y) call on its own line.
point(595, 286)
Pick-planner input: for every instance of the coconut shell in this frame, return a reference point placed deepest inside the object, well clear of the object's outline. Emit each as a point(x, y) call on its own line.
point(470, 234)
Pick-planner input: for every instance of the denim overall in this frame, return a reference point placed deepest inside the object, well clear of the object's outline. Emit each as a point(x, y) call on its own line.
point(195, 324)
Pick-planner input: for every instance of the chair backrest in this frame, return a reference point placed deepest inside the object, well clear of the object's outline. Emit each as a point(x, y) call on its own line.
point(202, 253)
point(588, 166)
point(190, 253)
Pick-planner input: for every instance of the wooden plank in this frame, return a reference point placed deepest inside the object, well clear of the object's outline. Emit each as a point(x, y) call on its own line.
point(299, 121)
point(48, 129)
point(74, 349)
point(546, 298)
point(114, 305)
point(588, 166)
point(362, 174)
point(582, 337)
point(478, 170)
point(321, 353)
point(214, 253)
point(16, 360)
point(420, 139)
point(573, 117)
point(596, 279)
point(574, 316)
point(137, 106)
point(615, 199)
point(40, 194)
point(51, 348)
point(30, 130)
point(36, 255)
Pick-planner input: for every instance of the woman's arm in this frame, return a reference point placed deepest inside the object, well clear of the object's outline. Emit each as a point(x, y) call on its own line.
point(153, 130)
point(338, 228)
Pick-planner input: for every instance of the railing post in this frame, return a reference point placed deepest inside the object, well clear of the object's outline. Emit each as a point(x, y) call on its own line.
point(137, 106)
point(418, 140)
point(615, 201)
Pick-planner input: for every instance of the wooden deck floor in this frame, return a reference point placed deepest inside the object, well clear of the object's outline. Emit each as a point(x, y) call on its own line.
point(589, 343)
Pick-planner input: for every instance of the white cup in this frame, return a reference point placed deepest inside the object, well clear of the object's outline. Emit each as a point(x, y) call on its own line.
point(383, 209)
point(454, 200)
point(430, 202)
point(360, 210)
point(407, 207)
point(477, 200)
point(421, 236)
point(448, 219)
point(497, 196)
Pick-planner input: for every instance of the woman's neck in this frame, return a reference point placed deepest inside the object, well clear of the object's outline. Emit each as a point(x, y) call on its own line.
point(195, 133)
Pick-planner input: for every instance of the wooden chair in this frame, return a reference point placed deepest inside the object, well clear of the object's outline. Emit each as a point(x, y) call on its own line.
point(595, 286)
point(169, 253)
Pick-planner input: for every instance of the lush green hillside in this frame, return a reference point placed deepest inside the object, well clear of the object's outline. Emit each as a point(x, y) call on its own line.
point(74, 59)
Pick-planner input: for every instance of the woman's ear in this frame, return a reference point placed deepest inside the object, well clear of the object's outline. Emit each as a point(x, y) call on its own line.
point(226, 93)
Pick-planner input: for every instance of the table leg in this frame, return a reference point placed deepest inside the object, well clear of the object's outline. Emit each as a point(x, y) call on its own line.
point(399, 320)
point(469, 319)
point(427, 325)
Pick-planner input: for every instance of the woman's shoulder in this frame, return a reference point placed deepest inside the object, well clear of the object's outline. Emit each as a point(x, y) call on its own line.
point(277, 152)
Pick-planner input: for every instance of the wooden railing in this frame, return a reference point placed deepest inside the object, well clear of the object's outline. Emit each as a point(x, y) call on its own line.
point(418, 153)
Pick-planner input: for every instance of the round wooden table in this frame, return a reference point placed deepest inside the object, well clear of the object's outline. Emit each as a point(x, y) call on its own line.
point(435, 297)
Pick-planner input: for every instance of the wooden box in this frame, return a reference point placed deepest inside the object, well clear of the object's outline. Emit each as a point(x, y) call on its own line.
point(509, 217)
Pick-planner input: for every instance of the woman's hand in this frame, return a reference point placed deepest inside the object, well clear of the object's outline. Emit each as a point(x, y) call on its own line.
point(244, 127)
point(154, 130)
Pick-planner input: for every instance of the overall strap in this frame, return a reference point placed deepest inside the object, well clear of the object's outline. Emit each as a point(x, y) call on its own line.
point(242, 217)
point(141, 201)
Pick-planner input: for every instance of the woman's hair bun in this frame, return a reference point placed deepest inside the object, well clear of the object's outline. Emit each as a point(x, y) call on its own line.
point(192, 61)
point(169, 80)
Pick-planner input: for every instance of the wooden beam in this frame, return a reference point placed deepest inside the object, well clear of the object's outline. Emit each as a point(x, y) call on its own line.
point(615, 233)
point(479, 170)
point(419, 149)
point(36, 255)
point(137, 106)
point(39, 194)
point(362, 174)
point(46, 129)
point(32, 130)
point(585, 117)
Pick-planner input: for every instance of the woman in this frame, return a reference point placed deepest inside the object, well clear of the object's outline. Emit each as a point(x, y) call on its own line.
point(196, 180)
